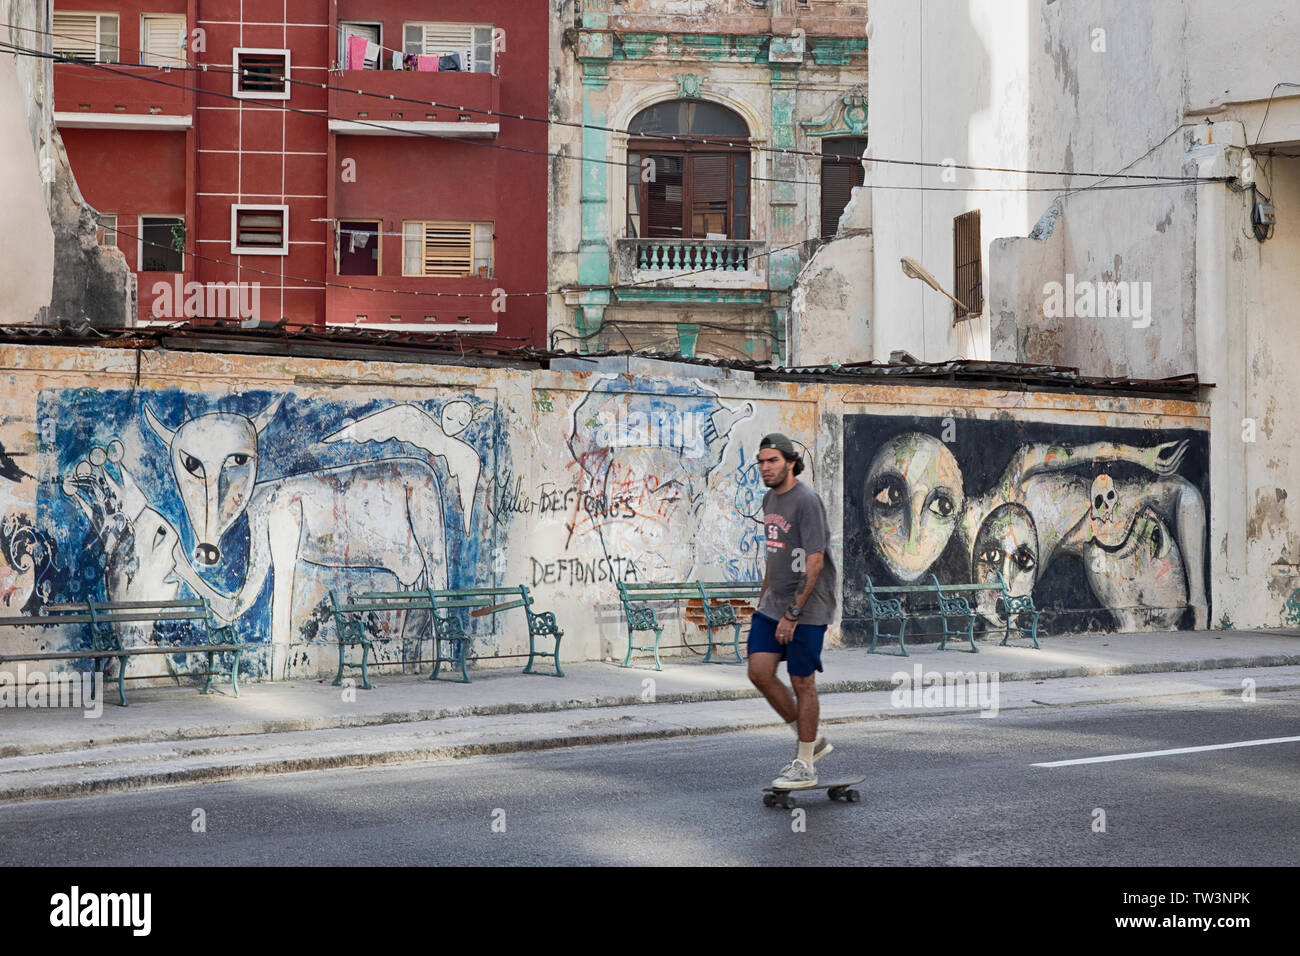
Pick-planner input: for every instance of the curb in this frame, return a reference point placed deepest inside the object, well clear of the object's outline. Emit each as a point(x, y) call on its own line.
point(291, 725)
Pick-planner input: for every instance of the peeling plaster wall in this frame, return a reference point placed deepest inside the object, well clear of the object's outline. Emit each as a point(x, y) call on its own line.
point(26, 121)
point(630, 56)
point(53, 268)
point(261, 483)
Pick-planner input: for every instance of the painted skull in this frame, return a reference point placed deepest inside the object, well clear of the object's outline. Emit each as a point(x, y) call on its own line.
point(913, 499)
point(1103, 498)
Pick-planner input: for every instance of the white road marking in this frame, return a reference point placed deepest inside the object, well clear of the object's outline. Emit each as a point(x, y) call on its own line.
point(1165, 753)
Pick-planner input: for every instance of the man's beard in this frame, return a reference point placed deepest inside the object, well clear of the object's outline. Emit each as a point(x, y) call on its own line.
point(776, 480)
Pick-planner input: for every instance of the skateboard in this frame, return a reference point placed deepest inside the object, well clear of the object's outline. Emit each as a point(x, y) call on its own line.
point(836, 790)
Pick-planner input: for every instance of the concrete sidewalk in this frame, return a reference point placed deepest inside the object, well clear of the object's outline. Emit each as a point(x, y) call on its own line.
point(173, 734)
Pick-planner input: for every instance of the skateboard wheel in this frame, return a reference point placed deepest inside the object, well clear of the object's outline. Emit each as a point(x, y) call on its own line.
point(791, 803)
point(853, 796)
point(835, 793)
point(769, 799)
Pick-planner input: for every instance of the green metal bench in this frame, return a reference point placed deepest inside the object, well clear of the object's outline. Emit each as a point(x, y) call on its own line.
point(102, 617)
point(724, 615)
point(451, 642)
point(640, 617)
point(890, 609)
point(952, 606)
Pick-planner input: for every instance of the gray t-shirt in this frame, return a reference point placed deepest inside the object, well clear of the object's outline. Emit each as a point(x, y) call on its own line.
point(795, 526)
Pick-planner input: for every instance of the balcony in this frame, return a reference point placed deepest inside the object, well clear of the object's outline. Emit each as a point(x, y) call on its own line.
point(463, 98)
point(88, 97)
point(720, 263)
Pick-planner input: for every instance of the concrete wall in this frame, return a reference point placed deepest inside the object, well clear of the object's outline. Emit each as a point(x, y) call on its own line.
point(51, 267)
point(262, 482)
point(26, 119)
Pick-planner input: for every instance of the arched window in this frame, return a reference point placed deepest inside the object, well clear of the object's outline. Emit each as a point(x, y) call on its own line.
point(688, 188)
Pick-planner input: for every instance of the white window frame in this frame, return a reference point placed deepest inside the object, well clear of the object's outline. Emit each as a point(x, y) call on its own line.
point(181, 56)
point(466, 53)
point(139, 243)
point(477, 232)
point(259, 94)
point(99, 16)
point(238, 250)
point(108, 231)
point(343, 42)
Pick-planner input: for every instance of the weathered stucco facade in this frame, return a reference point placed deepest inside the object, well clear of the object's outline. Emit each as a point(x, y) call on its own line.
point(260, 482)
point(1153, 279)
point(52, 268)
point(785, 75)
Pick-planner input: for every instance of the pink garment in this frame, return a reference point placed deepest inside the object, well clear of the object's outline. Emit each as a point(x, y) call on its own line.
point(356, 53)
point(426, 64)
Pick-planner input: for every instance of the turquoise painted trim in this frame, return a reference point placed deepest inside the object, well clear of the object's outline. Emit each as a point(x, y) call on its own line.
point(707, 296)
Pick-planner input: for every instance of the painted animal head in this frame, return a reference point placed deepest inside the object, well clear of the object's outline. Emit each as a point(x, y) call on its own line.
point(214, 459)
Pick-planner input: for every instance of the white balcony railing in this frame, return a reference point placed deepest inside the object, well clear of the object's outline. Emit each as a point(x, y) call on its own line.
point(726, 256)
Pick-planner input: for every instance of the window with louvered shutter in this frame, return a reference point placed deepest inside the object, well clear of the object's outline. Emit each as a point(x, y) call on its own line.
point(261, 73)
point(89, 37)
point(471, 43)
point(446, 249)
point(841, 171)
point(709, 192)
point(967, 257)
point(162, 40)
point(663, 206)
point(259, 230)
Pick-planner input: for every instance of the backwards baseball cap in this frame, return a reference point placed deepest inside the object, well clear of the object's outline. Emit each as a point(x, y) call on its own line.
point(779, 442)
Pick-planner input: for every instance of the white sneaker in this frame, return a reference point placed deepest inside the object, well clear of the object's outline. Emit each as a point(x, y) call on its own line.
point(796, 775)
point(821, 748)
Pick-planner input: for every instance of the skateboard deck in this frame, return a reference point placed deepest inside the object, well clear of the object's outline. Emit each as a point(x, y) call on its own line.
point(835, 789)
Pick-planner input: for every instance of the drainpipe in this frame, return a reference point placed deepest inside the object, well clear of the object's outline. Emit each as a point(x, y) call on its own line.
point(1220, 350)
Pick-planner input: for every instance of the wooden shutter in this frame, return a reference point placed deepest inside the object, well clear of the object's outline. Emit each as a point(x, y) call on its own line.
point(448, 248)
point(664, 202)
point(709, 191)
point(162, 40)
point(841, 171)
point(436, 39)
point(968, 278)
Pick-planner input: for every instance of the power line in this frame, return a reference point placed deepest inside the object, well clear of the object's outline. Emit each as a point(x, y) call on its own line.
point(666, 138)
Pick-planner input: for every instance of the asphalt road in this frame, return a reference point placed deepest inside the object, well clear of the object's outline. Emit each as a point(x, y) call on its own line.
point(939, 791)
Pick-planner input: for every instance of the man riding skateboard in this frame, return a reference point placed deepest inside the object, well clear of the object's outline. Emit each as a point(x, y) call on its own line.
point(795, 606)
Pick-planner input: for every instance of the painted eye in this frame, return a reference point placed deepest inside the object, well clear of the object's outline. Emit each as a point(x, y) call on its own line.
point(991, 556)
point(239, 459)
point(1024, 558)
point(942, 505)
point(159, 535)
point(888, 492)
point(192, 464)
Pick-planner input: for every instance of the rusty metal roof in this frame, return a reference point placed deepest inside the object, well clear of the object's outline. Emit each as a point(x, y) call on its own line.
point(450, 348)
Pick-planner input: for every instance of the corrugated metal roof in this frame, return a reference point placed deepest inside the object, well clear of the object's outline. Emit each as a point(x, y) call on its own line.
point(346, 342)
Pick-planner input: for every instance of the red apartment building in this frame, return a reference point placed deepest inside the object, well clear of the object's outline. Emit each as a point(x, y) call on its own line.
point(195, 129)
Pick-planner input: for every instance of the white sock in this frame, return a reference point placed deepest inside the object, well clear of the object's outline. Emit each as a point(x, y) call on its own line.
point(806, 751)
point(794, 726)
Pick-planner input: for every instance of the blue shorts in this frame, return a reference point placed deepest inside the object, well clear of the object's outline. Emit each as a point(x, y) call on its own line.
point(802, 655)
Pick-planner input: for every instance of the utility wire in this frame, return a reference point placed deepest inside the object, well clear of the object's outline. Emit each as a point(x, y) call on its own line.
point(667, 138)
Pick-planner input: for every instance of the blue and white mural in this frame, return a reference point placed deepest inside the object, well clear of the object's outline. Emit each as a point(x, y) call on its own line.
point(261, 502)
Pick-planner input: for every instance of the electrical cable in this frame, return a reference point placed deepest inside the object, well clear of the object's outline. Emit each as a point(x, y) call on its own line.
point(610, 129)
